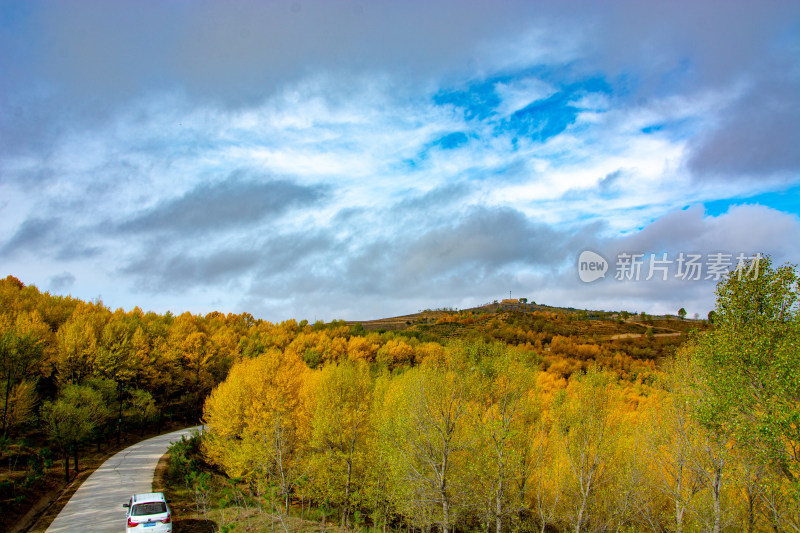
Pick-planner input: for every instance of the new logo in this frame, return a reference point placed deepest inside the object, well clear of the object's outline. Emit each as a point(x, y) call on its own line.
point(591, 266)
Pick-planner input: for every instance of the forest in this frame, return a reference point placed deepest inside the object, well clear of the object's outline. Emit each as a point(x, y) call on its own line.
point(516, 418)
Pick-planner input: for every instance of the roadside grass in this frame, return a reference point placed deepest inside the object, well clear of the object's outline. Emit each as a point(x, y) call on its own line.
point(204, 500)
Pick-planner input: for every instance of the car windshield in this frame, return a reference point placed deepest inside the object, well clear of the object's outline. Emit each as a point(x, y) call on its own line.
point(149, 508)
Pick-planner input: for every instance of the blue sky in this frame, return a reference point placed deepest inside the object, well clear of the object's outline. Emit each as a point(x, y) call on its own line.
point(358, 160)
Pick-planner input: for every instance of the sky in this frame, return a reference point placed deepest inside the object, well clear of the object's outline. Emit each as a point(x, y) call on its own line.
point(356, 160)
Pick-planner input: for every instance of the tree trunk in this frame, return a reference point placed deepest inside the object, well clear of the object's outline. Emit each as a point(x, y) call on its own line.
point(445, 515)
point(5, 407)
point(66, 466)
point(498, 512)
point(717, 507)
point(679, 507)
point(443, 493)
point(586, 494)
point(346, 509)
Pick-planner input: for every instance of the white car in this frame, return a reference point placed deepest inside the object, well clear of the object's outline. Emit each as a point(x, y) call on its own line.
point(149, 513)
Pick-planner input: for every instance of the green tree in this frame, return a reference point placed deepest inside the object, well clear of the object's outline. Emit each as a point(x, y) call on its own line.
point(72, 418)
point(750, 365)
point(108, 391)
point(143, 407)
point(681, 313)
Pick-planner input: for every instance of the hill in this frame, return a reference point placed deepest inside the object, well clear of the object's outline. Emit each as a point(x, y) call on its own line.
point(535, 326)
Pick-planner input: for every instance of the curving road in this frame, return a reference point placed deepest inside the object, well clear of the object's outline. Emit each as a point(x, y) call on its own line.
point(97, 505)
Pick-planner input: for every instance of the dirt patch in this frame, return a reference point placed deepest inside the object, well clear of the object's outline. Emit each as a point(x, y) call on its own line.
point(193, 525)
point(49, 506)
point(639, 335)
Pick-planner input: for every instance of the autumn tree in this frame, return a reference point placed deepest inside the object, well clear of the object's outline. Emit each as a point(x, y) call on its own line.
point(340, 425)
point(20, 405)
point(669, 439)
point(114, 348)
point(586, 422)
point(19, 351)
point(504, 409)
point(381, 490)
point(258, 422)
point(78, 345)
point(433, 439)
point(547, 473)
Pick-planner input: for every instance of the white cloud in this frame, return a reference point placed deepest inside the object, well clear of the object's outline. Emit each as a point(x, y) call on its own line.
point(518, 93)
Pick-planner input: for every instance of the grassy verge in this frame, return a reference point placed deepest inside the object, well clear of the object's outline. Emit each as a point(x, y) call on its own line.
point(203, 500)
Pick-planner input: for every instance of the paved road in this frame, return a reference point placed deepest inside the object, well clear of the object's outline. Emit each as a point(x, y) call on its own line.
point(97, 505)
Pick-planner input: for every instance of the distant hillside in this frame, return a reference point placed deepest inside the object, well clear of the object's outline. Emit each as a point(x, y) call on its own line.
point(578, 321)
point(567, 336)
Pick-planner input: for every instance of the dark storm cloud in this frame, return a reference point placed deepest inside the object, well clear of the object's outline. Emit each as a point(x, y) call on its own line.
point(485, 238)
point(65, 65)
point(178, 268)
point(236, 50)
point(485, 252)
point(481, 244)
point(165, 270)
point(478, 256)
point(742, 229)
point(35, 232)
point(223, 205)
point(680, 48)
point(301, 252)
point(758, 138)
point(51, 237)
point(674, 44)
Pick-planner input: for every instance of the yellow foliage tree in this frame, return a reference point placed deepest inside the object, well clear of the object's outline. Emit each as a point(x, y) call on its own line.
point(505, 406)
point(431, 440)
point(77, 349)
point(394, 353)
point(340, 426)
point(258, 424)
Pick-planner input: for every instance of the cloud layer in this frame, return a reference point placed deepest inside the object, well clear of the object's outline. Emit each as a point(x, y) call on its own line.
point(347, 160)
